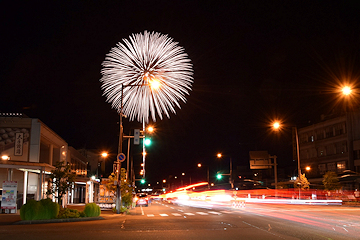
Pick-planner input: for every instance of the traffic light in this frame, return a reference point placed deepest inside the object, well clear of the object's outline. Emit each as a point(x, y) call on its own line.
point(218, 176)
point(147, 141)
point(142, 181)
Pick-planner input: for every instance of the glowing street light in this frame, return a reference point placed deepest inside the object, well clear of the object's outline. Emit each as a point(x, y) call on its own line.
point(150, 129)
point(276, 125)
point(104, 154)
point(308, 168)
point(346, 90)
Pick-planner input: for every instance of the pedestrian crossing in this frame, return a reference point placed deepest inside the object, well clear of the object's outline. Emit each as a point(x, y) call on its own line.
point(189, 214)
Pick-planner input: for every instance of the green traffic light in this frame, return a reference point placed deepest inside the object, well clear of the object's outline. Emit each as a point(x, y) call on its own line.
point(142, 181)
point(147, 142)
point(218, 176)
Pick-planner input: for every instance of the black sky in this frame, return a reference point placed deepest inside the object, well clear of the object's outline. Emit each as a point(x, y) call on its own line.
point(253, 61)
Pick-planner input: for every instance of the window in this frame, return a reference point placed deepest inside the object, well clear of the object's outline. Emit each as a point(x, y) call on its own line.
point(341, 147)
point(322, 168)
point(329, 132)
point(321, 152)
point(341, 166)
point(331, 167)
point(339, 129)
point(319, 134)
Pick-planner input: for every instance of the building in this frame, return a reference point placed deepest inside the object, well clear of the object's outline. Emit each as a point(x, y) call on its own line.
point(333, 144)
point(29, 150)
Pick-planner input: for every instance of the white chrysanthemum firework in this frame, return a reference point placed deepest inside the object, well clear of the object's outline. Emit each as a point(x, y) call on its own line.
point(154, 73)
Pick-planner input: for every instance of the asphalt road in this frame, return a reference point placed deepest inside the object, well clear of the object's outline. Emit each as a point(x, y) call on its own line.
point(170, 221)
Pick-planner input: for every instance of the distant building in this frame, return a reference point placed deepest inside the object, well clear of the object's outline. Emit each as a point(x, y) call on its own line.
point(331, 145)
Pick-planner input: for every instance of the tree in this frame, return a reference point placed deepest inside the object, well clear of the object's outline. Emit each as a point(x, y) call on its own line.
point(331, 181)
point(302, 182)
point(125, 187)
point(61, 181)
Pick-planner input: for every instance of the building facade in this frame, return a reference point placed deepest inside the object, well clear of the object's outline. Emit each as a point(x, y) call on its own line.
point(29, 150)
point(331, 145)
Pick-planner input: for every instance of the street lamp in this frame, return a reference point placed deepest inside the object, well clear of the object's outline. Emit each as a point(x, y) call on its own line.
point(207, 173)
point(121, 136)
point(346, 90)
point(276, 125)
point(103, 155)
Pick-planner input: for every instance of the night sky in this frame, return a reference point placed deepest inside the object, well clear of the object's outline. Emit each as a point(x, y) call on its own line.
point(253, 61)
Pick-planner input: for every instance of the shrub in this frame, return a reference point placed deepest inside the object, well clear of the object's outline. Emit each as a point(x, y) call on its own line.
point(68, 213)
point(48, 209)
point(35, 210)
point(92, 210)
point(29, 210)
point(124, 209)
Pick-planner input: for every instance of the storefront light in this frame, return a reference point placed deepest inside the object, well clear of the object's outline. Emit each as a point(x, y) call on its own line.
point(5, 157)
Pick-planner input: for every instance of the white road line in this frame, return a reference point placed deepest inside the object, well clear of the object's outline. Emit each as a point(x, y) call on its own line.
point(202, 213)
point(217, 213)
point(177, 214)
point(180, 210)
point(151, 215)
point(189, 214)
point(142, 211)
point(172, 207)
point(164, 215)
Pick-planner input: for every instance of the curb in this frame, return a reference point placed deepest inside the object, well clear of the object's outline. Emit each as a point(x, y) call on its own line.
point(24, 222)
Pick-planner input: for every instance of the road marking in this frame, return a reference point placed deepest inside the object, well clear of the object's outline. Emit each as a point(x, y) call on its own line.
point(172, 207)
point(189, 214)
point(177, 214)
point(202, 213)
point(180, 210)
point(164, 215)
point(217, 213)
point(142, 211)
point(151, 215)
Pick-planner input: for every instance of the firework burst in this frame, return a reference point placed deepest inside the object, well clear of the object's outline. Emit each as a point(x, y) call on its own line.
point(153, 73)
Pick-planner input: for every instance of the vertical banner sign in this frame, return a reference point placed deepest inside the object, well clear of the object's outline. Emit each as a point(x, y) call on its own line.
point(19, 141)
point(136, 136)
point(9, 194)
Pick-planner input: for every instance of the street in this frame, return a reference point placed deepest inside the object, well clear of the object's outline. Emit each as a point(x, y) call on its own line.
point(170, 221)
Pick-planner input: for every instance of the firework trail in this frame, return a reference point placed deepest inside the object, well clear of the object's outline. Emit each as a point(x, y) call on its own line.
point(155, 74)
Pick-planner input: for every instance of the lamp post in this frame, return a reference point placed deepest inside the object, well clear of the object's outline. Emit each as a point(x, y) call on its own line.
point(154, 85)
point(277, 126)
point(101, 163)
point(207, 173)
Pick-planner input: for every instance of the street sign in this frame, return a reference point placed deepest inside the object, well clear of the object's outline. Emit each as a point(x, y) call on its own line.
point(121, 157)
point(136, 136)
